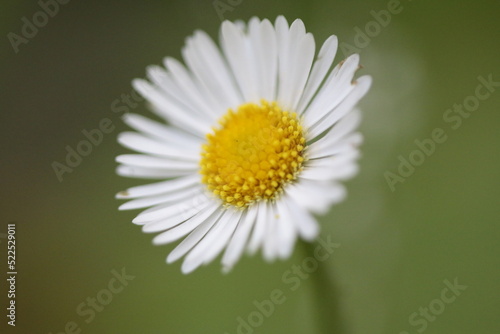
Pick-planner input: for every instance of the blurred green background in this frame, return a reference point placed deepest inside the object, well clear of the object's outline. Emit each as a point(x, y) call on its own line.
point(397, 247)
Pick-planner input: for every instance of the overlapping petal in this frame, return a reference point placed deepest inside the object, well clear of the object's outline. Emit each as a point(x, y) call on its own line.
point(254, 61)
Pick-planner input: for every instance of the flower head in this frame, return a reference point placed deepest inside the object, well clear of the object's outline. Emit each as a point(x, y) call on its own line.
point(258, 135)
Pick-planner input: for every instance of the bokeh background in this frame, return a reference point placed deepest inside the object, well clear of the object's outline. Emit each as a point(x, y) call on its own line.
point(396, 247)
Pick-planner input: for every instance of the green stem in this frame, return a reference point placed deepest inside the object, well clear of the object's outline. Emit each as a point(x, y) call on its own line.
point(325, 293)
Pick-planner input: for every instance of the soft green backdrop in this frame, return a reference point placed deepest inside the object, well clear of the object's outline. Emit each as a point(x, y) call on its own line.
point(397, 247)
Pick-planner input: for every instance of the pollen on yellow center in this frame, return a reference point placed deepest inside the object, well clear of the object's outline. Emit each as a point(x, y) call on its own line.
point(252, 155)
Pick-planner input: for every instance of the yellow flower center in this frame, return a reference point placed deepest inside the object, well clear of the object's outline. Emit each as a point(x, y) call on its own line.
point(254, 153)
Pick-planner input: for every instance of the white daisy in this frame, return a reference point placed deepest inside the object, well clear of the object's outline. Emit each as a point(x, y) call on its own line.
point(259, 134)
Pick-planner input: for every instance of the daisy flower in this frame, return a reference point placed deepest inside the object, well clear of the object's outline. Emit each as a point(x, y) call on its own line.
point(258, 134)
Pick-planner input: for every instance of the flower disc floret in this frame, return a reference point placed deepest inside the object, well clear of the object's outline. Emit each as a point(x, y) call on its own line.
point(255, 152)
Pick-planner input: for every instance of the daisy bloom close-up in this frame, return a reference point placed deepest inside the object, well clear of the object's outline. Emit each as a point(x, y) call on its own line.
point(258, 131)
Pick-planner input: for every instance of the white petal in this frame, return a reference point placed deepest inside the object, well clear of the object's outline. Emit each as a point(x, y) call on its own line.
point(240, 24)
point(316, 196)
point(340, 166)
point(162, 199)
point(287, 231)
point(194, 92)
point(239, 55)
point(171, 209)
point(307, 226)
point(148, 161)
point(212, 243)
point(183, 229)
point(341, 171)
point(162, 132)
point(284, 70)
point(170, 111)
point(143, 144)
point(320, 68)
point(302, 62)
point(340, 130)
point(345, 172)
point(193, 238)
point(263, 38)
point(149, 173)
point(159, 187)
point(289, 42)
point(219, 66)
point(360, 89)
point(345, 157)
point(337, 86)
point(281, 232)
point(238, 242)
point(271, 237)
point(309, 200)
point(186, 93)
point(327, 148)
point(223, 239)
point(166, 223)
point(173, 91)
point(259, 229)
point(207, 65)
point(180, 218)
